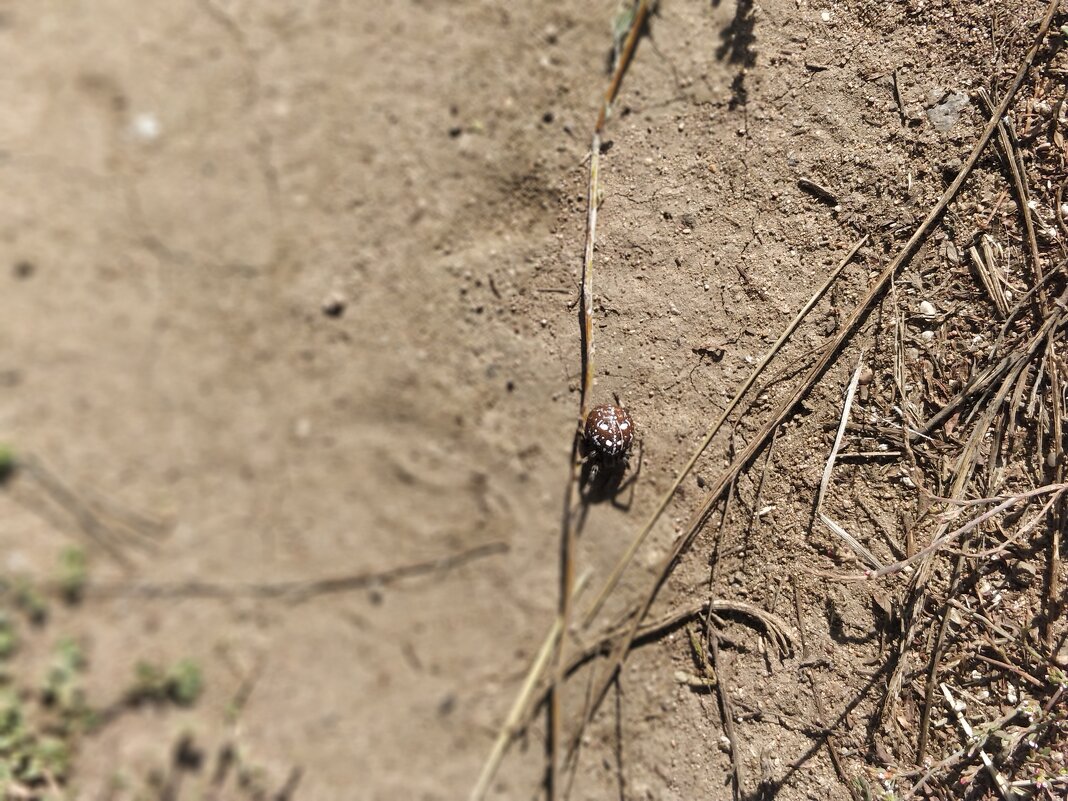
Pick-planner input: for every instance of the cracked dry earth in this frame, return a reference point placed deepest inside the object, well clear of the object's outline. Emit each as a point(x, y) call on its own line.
point(300, 276)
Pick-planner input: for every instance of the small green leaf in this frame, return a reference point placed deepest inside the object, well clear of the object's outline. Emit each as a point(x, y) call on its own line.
point(185, 683)
point(9, 640)
point(73, 573)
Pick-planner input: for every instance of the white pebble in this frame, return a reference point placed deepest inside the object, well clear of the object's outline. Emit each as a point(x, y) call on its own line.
point(146, 126)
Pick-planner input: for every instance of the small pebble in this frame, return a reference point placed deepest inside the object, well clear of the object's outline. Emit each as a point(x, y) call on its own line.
point(1061, 657)
point(334, 304)
point(446, 705)
point(146, 127)
point(928, 310)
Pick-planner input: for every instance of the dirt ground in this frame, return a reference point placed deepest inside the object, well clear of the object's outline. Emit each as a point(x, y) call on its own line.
point(300, 276)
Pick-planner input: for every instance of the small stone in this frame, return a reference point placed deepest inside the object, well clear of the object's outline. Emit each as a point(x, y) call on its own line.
point(928, 310)
point(446, 705)
point(146, 127)
point(1024, 573)
point(951, 167)
point(947, 113)
point(334, 304)
point(1061, 657)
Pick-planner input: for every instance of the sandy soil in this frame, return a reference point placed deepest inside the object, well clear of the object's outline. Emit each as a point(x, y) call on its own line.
point(301, 275)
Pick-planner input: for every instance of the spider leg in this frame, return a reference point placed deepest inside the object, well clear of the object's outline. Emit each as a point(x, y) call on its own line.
point(587, 476)
point(637, 470)
point(630, 481)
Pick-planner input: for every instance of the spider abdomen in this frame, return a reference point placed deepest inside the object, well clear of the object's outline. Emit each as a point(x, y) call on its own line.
point(609, 431)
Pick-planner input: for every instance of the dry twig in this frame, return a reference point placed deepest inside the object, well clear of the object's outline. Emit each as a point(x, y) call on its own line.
point(857, 547)
point(512, 723)
point(569, 532)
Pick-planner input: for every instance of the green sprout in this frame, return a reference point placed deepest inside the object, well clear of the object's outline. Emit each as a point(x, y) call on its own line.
point(31, 602)
point(9, 640)
point(62, 689)
point(180, 685)
point(73, 574)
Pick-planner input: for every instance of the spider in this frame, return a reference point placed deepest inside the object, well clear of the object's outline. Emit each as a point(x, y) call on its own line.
point(607, 437)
